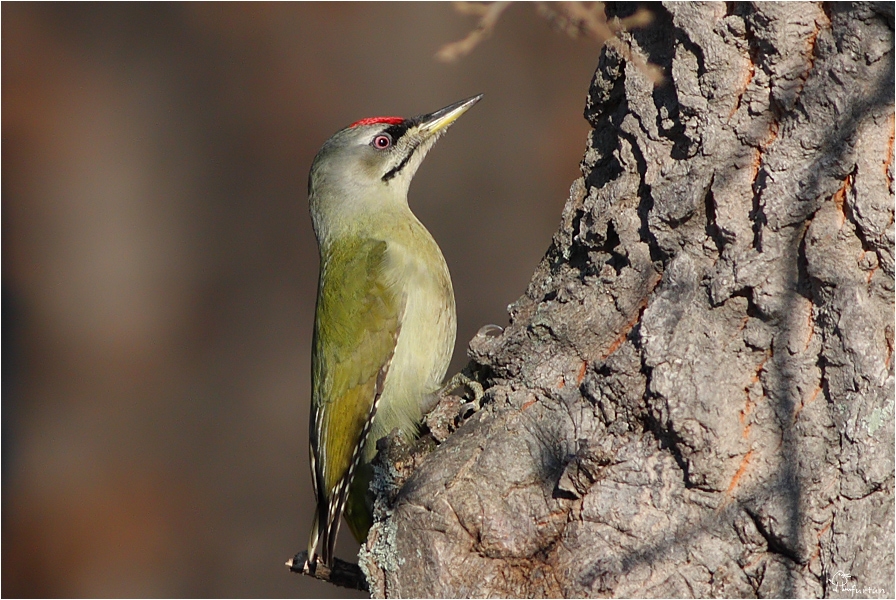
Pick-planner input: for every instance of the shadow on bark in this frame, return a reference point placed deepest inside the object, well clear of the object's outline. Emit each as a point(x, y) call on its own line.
point(654, 423)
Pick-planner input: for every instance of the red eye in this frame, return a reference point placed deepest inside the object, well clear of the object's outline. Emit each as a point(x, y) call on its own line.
point(382, 141)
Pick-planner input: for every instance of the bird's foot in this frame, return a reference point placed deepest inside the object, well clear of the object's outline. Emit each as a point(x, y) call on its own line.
point(462, 380)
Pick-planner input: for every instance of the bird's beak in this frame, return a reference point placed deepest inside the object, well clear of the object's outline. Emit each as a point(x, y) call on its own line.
point(434, 123)
point(420, 137)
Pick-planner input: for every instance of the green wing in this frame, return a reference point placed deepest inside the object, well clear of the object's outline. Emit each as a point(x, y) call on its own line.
point(355, 331)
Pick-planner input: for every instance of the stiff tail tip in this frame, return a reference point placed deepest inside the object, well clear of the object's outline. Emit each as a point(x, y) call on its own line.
point(313, 542)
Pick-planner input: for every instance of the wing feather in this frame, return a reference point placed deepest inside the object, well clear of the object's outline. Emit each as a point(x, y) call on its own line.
point(356, 329)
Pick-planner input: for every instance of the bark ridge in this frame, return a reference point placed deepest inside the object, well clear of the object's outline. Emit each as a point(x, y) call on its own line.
point(695, 394)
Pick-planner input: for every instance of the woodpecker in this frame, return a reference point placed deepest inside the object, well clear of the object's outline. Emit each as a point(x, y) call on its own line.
point(385, 319)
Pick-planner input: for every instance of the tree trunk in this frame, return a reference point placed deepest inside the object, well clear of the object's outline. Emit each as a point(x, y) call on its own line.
point(695, 394)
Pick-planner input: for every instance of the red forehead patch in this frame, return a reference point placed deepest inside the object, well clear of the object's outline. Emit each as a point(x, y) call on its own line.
point(375, 120)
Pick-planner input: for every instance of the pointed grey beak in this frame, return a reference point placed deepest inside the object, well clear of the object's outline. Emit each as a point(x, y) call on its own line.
point(423, 132)
point(440, 120)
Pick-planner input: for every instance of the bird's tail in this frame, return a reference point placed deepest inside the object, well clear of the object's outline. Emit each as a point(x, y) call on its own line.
point(313, 539)
point(325, 527)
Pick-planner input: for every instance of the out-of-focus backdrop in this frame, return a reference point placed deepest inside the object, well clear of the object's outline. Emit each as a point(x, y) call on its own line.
point(159, 267)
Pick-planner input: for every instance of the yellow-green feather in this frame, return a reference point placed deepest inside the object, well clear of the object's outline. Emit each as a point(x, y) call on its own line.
point(356, 327)
point(385, 326)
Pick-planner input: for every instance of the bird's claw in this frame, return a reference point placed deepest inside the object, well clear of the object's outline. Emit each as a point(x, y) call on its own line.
point(462, 380)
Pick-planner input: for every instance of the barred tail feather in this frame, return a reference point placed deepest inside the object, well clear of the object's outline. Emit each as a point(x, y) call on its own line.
point(314, 538)
point(331, 503)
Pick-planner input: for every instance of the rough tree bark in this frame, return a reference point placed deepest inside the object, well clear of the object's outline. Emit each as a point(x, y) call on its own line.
point(695, 394)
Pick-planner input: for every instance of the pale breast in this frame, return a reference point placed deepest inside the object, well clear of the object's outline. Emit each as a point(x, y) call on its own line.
point(426, 341)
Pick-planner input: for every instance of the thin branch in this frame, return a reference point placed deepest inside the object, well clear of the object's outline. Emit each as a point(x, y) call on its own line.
point(343, 574)
point(584, 19)
point(489, 17)
point(576, 19)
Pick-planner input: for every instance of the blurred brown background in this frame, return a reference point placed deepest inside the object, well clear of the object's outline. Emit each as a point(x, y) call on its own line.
point(159, 266)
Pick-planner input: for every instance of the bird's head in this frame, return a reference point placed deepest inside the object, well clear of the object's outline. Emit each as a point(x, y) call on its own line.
point(369, 165)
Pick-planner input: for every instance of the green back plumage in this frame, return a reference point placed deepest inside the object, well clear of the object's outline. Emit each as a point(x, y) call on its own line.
point(356, 327)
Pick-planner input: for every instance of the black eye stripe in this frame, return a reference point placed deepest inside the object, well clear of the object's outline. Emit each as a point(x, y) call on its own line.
point(396, 131)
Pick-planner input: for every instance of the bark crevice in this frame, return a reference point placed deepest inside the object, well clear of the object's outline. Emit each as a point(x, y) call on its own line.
point(694, 394)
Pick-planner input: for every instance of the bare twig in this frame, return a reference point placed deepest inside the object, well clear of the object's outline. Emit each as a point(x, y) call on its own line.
point(489, 14)
point(576, 19)
point(590, 20)
point(343, 574)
